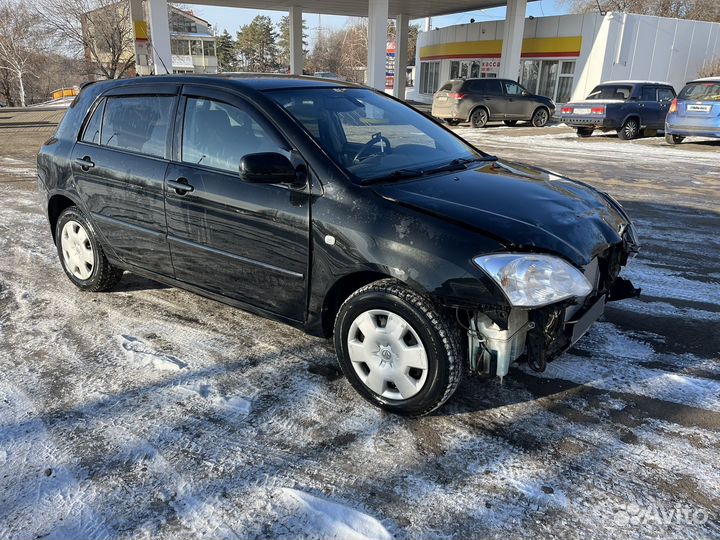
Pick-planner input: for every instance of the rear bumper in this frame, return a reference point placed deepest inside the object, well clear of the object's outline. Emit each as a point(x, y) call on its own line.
point(588, 121)
point(692, 131)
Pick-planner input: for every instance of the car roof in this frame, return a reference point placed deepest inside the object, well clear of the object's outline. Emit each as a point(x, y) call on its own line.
point(635, 82)
point(253, 81)
point(705, 79)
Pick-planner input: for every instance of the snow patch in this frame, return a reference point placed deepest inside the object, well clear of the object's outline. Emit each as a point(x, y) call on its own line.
point(325, 519)
point(234, 405)
point(140, 353)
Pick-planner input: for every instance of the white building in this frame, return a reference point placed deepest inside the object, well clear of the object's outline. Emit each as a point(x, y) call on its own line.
point(564, 57)
point(192, 42)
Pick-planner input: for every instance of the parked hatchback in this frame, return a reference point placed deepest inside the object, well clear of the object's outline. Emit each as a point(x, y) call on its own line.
point(480, 101)
point(338, 210)
point(695, 112)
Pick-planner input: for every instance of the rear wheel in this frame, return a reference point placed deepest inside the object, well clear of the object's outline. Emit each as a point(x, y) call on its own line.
point(397, 349)
point(674, 139)
point(584, 132)
point(510, 122)
point(81, 255)
point(452, 121)
point(540, 117)
point(479, 118)
point(629, 130)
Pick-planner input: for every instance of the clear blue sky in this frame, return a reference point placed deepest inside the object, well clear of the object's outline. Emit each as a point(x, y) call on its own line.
point(233, 18)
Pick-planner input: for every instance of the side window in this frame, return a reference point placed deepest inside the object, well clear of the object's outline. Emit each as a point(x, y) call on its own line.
point(666, 94)
point(137, 123)
point(218, 135)
point(512, 89)
point(649, 93)
point(91, 134)
point(493, 88)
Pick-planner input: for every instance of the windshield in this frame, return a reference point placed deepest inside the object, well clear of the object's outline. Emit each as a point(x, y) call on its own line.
point(705, 91)
point(370, 136)
point(611, 91)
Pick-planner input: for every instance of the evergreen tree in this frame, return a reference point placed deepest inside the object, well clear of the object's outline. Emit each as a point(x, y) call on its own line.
point(226, 54)
point(256, 45)
point(284, 40)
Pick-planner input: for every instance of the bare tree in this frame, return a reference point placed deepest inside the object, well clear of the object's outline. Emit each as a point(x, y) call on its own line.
point(711, 69)
point(700, 10)
point(20, 41)
point(101, 30)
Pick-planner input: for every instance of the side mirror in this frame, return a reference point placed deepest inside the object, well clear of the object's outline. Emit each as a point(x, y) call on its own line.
point(524, 93)
point(267, 168)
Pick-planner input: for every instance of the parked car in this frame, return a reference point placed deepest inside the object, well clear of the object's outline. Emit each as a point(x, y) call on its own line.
point(631, 108)
point(480, 101)
point(695, 112)
point(338, 210)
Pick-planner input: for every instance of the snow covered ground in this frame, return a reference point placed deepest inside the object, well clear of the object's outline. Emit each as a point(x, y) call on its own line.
point(150, 412)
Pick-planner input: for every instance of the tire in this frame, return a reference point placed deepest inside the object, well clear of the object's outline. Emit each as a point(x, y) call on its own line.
point(453, 122)
point(479, 117)
point(629, 130)
point(584, 132)
point(413, 384)
point(540, 117)
point(81, 254)
point(510, 122)
point(674, 139)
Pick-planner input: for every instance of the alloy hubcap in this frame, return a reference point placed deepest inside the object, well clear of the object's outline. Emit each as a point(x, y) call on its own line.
point(77, 250)
point(387, 354)
point(540, 118)
point(630, 129)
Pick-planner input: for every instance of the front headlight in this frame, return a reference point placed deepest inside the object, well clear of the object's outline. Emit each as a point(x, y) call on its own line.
point(530, 280)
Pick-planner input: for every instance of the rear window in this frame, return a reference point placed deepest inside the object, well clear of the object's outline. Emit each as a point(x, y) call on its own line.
point(701, 91)
point(446, 86)
point(137, 123)
point(611, 91)
point(483, 86)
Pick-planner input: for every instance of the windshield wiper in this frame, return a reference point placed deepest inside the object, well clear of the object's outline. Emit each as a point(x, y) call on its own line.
point(457, 164)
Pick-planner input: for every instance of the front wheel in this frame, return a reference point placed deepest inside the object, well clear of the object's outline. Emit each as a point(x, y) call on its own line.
point(540, 117)
point(81, 254)
point(397, 349)
point(629, 130)
point(479, 118)
point(674, 139)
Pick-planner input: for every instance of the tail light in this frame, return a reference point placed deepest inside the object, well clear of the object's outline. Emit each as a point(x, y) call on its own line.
point(673, 105)
point(567, 110)
point(456, 95)
point(598, 110)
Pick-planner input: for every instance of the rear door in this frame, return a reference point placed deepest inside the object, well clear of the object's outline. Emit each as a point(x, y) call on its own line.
point(119, 167)
point(249, 242)
point(489, 93)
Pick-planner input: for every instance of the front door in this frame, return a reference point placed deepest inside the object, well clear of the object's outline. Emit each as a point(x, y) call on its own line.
point(249, 242)
point(519, 106)
point(119, 167)
point(650, 113)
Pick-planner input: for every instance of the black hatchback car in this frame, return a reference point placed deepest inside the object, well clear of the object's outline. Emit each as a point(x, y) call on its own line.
point(338, 210)
point(480, 101)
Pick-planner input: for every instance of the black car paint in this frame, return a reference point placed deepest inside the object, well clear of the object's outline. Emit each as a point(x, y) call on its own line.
point(423, 232)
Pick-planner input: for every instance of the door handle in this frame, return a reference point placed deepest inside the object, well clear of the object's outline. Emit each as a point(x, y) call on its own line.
point(181, 186)
point(85, 163)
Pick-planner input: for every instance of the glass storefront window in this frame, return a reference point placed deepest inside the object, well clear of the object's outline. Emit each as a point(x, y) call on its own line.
point(429, 75)
point(454, 69)
point(548, 78)
point(529, 74)
point(474, 70)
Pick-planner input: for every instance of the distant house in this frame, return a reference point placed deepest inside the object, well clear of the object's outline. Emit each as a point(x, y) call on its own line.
point(192, 40)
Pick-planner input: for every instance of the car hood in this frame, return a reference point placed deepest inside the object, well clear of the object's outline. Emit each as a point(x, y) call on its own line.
point(523, 207)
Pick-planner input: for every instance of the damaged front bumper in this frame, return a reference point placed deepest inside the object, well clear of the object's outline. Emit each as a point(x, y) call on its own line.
point(498, 337)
